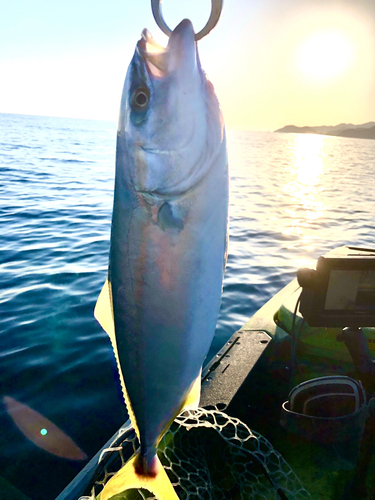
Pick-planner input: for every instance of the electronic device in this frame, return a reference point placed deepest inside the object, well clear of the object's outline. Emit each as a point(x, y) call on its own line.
point(341, 291)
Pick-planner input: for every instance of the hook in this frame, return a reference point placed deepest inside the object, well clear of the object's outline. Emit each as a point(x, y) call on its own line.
point(216, 7)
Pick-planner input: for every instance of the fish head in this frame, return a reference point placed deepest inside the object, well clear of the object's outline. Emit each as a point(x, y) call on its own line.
point(165, 117)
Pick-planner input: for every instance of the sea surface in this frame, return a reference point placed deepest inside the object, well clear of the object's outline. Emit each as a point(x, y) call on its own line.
point(293, 197)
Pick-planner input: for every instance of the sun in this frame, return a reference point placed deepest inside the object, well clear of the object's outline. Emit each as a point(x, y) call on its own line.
point(325, 55)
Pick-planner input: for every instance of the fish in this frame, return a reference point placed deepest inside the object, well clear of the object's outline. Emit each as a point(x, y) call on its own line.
point(168, 247)
point(41, 431)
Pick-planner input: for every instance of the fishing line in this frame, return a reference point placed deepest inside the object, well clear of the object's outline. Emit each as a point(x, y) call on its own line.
point(295, 337)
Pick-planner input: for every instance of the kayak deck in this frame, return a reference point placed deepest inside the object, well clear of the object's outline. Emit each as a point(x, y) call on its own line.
point(250, 378)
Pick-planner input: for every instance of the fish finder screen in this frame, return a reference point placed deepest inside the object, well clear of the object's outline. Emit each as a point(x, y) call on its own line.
point(350, 290)
point(341, 291)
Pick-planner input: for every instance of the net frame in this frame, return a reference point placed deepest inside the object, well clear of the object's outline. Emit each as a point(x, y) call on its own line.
point(208, 455)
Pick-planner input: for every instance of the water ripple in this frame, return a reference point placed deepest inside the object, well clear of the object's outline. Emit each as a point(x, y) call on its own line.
point(292, 198)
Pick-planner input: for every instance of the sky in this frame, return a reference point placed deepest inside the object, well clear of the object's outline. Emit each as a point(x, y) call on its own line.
point(272, 62)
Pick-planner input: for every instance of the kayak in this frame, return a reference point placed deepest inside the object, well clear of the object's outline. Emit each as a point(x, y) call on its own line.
point(275, 357)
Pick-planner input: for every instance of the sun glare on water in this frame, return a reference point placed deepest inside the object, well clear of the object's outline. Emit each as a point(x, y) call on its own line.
point(325, 55)
point(304, 193)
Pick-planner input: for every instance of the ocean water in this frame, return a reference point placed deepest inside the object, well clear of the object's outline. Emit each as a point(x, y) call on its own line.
point(292, 198)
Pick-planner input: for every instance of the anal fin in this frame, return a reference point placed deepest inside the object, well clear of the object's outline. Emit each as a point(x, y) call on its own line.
point(192, 399)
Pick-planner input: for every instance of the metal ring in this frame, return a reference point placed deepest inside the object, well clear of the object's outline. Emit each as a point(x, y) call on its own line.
point(216, 7)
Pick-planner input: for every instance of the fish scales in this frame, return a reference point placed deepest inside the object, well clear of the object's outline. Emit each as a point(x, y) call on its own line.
point(169, 232)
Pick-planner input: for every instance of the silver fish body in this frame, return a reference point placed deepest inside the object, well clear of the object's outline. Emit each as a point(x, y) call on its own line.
point(169, 229)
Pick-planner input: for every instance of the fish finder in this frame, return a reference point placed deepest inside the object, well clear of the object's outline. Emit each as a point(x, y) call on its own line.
point(341, 291)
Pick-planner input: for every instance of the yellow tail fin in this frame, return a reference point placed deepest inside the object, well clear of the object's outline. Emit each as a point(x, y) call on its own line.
point(126, 479)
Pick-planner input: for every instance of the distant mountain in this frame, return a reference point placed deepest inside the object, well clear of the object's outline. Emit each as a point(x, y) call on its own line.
point(297, 130)
point(361, 133)
point(364, 131)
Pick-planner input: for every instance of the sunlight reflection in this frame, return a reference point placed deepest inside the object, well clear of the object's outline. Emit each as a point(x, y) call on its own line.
point(310, 263)
point(306, 169)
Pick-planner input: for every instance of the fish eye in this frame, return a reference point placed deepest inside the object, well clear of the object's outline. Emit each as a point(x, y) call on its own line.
point(140, 98)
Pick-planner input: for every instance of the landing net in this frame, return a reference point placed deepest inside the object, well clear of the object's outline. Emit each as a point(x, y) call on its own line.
point(209, 455)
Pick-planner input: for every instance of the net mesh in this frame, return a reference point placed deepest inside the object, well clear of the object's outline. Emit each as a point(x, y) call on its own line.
point(209, 455)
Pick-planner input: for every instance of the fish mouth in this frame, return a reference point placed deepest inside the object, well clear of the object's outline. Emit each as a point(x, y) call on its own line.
point(154, 55)
point(161, 61)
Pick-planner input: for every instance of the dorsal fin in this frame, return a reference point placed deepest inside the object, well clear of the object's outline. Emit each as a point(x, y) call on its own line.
point(103, 313)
